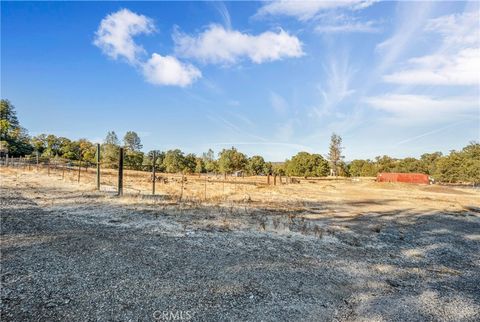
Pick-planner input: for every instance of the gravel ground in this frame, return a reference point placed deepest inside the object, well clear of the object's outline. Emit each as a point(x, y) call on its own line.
point(69, 255)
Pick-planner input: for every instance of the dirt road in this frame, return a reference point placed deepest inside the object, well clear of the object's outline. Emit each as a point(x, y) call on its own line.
point(70, 254)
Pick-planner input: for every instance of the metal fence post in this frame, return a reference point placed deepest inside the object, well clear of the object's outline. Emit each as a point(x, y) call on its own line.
point(154, 157)
point(120, 172)
point(98, 167)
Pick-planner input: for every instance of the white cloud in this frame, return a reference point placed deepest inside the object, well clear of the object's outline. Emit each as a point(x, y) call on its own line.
point(412, 108)
point(168, 70)
point(457, 28)
point(441, 69)
point(115, 34)
point(456, 62)
point(306, 10)
point(219, 45)
point(368, 27)
point(115, 37)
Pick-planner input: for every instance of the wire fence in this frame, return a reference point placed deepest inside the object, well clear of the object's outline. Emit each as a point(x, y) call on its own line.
point(182, 187)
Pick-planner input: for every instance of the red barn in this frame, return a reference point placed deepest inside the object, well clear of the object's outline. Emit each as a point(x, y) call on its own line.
point(403, 177)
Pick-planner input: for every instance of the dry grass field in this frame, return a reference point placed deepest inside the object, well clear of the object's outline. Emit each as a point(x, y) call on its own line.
point(317, 250)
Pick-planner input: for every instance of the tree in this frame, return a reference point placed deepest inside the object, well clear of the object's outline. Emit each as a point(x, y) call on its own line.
point(460, 166)
point(133, 160)
point(268, 168)
point(362, 168)
point(385, 164)
point(174, 161)
point(211, 164)
point(132, 142)
point(190, 163)
point(256, 165)
point(110, 150)
point(429, 162)
point(230, 160)
point(159, 157)
point(39, 143)
point(305, 164)
point(112, 138)
point(335, 153)
point(199, 166)
point(13, 138)
point(88, 151)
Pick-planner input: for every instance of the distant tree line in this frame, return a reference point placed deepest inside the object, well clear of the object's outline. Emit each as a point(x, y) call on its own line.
point(457, 166)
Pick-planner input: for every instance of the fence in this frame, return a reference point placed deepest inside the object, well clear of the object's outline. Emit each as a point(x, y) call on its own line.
point(198, 187)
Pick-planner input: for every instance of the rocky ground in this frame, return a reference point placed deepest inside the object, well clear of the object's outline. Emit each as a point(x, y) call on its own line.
point(73, 254)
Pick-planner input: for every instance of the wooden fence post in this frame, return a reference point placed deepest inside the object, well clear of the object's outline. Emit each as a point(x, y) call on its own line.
point(154, 157)
point(6, 159)
point(120, 172)
point(48, 166)
point(268, 179)
point(98, 166)
point(274, 179)
point(79, 169)
point(63, 171)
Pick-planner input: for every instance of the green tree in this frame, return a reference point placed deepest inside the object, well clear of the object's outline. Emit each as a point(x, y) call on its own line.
point(110, 150)
point(268, 168)
point(409, 165)
point(307, 165)
point(256, 165)
point(211, 165)
point(13, 138)
point(335, 153)
point(362, 168)
point(190, 163)
point(132, 142)
point(159, 157)
point(385, 164)
point(200, 166)
point(88, 151)
point(39, 143)
point(174, 161)
point(231, 160)
point(133, 160)
point(460, 166)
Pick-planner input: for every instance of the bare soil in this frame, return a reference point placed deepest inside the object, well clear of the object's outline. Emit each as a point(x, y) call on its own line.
point(343, 251)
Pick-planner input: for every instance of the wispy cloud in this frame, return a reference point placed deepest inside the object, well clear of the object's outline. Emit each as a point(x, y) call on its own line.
point(435, 131)
point(218, 45)
point(349, 27)
point(306, 10)
point(336, 85)
point(278, 103)
point(456, 62)
point(422, 108)
point(223, 12)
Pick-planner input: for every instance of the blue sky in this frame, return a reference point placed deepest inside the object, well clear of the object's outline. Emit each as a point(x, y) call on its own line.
point(271, 78)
